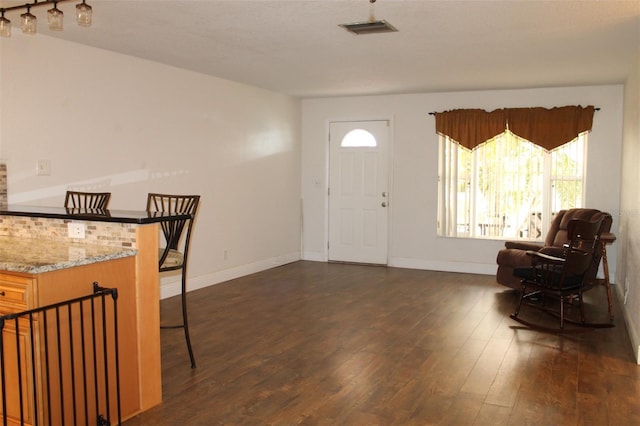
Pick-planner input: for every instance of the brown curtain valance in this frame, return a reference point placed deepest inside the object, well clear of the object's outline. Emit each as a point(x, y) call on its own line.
point(548, 128)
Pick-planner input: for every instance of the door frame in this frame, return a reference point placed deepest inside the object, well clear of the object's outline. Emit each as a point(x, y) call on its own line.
point(390, 145)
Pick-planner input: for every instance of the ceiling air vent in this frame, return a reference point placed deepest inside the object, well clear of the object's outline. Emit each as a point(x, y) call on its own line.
point(369, 27)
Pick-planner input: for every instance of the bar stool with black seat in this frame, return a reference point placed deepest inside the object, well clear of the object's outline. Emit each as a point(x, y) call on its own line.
point(87, 200)
point(175, 254)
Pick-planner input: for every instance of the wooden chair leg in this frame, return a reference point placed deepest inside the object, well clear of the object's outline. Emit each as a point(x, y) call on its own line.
point(582, 316)
point(519, 302)
point(607, 282)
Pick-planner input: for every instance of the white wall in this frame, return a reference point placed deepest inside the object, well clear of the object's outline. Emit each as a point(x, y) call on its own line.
point(112, 122)
point(628, 272)
point(108, 121)
point(414, 166)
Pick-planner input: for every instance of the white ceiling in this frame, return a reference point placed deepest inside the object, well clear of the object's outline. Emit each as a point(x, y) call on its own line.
point(296, 46)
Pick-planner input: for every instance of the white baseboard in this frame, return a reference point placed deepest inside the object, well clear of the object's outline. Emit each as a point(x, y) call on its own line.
point(634, 337)
point(445, 266)
point(170, 286)
point(409, 263)
point(315, 256)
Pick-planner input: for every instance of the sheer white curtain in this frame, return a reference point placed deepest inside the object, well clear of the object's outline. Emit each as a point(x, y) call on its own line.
point(507, 187)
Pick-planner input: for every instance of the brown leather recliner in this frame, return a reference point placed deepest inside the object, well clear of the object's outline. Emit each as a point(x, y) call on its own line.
point(514, 254)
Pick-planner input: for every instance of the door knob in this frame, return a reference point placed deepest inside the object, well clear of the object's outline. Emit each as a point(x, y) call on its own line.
point(384, 204)
point(384, 194)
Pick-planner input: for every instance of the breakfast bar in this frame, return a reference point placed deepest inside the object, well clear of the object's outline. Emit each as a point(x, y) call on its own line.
point(49, 254)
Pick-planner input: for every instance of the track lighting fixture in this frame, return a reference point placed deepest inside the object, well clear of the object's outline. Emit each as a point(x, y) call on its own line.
point(28, 21)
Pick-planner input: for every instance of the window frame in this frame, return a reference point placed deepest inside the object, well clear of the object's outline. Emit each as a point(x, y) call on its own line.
point(549, 184)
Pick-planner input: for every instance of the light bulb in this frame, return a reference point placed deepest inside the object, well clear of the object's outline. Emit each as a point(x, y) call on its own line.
point(55, 18)
point(28, 23)
point(83, 14)
point(5, 27)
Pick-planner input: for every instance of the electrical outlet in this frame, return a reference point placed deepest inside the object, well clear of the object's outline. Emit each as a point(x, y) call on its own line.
point(76, 230)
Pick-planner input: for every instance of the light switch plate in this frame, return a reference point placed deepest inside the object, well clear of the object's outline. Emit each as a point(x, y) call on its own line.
point(43, 167)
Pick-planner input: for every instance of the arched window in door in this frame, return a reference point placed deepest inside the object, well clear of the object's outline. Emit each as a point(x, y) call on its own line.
point(358, 138)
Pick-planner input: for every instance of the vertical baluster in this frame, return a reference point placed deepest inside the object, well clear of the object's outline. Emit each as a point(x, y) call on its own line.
point(60, 378)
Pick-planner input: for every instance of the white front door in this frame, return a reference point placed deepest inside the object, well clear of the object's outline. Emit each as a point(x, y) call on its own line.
point(358, 191)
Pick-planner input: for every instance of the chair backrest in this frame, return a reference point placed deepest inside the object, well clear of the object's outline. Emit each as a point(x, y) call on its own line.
point(558, 235)
point(173, 229)
point(583, 246)
point(87, 200)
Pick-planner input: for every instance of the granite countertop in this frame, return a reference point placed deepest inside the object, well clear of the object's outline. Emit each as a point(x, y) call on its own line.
point(120, 216)
point(34, 256)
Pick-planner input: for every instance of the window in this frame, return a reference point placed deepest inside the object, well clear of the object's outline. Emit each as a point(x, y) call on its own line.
point(507, 187)
point(358, 138)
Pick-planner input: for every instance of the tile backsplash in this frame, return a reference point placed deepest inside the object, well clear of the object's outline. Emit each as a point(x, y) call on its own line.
point(100, 233)
point(3, 184)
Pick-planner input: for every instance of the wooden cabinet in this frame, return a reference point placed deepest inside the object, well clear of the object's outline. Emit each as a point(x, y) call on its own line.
point(15, 296)
point(136, 277)
point(19, 292)
point(15, 293)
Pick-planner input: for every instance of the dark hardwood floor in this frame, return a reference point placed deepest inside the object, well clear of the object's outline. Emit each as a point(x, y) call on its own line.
point(331, 344)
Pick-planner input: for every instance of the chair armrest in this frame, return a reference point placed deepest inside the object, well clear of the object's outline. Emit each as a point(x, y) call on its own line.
point(554, 251)
point(522, 245)
point(545, 258)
